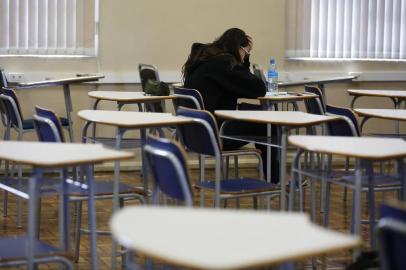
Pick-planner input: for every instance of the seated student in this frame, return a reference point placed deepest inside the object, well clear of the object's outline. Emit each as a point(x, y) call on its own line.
point(220, 71)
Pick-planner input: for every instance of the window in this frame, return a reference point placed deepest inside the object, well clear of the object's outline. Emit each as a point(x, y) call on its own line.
point(48, 27)
point(346, 29)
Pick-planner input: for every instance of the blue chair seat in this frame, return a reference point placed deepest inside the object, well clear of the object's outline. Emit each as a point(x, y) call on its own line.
point(380, 181)
point(17, 185)
point(103, 188)
point(28, 124)
point(14, 247)
point(240, 186)
point(64, 121)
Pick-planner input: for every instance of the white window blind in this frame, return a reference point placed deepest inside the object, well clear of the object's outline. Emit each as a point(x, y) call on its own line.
point(48, 27)
point(346, 29)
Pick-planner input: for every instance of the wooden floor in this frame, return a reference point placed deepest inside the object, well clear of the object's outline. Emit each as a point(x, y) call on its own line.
point(339, 220)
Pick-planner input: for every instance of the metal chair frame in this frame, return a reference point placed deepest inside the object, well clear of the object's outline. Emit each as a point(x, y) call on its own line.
point(80, 198)
point(218, 168)
point(18, 127)
point(384, 226)
point(176, 163)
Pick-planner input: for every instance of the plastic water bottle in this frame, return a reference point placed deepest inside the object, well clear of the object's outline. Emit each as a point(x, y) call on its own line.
point(272, 77)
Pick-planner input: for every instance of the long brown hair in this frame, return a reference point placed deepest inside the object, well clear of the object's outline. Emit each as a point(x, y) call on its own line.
point(229, 42)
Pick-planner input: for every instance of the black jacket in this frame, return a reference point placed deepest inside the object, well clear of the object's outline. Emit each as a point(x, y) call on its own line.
point(221, 83)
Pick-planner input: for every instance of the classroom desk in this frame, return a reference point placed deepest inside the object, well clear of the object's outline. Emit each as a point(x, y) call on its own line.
point(285, 120)
point(43, 156)
point(319, 81)
point(65, 83)
point(202, 238)
point(123, 98)
point(270, 100)
point(397, 96)
point(389, 114)
point(364, 149)
point(123, 121)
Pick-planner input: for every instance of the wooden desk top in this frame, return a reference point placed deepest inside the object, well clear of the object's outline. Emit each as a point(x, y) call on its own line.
point(77, 79)
point(126, 96)
point(391, 114)
point(377, 93)
point(316, 81)
point(287, 118)
point(288, 97)
point(372, 148)
point(223, 239)
point(58, 154)
point(128, 119)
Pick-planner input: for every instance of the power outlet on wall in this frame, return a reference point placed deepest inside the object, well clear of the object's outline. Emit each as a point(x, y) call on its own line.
point(16, 77)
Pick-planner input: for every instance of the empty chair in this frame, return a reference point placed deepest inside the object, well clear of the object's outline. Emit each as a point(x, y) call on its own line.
point(393, 209)
point(348, 126)
point(202, 138)
point(167, 162)
point(14, 116)
point(49, 129)
point(3, 114)
point(189, 98)
point(150, 72)
point(315, 90)
point(392, 236)
point(15, 121)
point(147, 72)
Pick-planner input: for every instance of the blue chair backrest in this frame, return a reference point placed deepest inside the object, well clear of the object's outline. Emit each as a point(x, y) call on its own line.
point(345, 127)
point(13, 111)
point(393, 210)
point(47, 125)
point(201, 136)
point(194, 96)
point(150, 72)
point(314, 106)
point(3, 78)
point(392, 236)
point(167, 163)
point(147, 72)
point(315, 90)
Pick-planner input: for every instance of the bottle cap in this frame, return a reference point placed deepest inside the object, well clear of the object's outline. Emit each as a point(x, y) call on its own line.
point(272, 61)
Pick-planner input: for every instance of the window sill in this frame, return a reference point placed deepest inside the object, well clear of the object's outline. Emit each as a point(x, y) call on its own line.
point(52, 56)
point(338, 60)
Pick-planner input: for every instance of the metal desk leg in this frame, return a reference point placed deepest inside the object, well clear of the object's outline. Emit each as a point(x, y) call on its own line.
point(401, 169)
point(64, 241)
point(357, 198)
point(268, 154)
point(32, 216)
point(92, 217)
point(296, 174)
point(397, 106)
point(354, 98)
point(282, 172)
point(371, 204)
point(143, 132)
point(116, 187)
point(68, 106)
point(96, 103)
